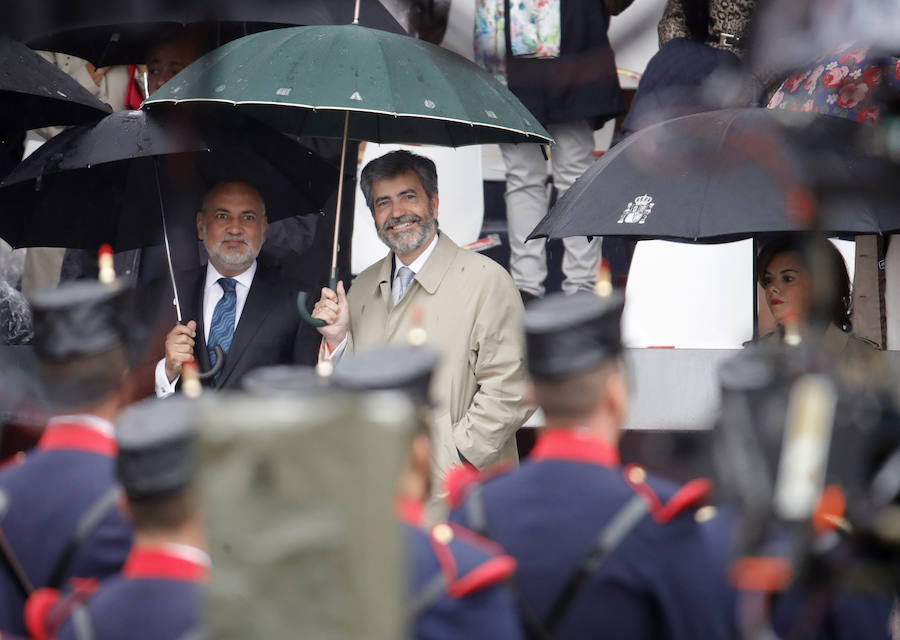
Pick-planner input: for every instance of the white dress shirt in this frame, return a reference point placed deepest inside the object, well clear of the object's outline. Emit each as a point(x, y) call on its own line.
point(98, 424)
point(415, 266)
point(212, 293)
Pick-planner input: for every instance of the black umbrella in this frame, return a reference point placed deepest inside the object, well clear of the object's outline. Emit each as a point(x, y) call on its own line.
point(106, 183)
point(730, 175)
point(35, 93)
point(123, 32)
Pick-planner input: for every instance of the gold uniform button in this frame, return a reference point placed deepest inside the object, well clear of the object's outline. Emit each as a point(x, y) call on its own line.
point(705, 514)
point(637, 475)
point(442, 533)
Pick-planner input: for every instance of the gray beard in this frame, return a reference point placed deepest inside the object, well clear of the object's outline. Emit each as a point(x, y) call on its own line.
point(411, 240)
point(243, 259)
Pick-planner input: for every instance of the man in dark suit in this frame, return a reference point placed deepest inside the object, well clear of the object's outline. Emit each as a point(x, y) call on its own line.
point(233, 303)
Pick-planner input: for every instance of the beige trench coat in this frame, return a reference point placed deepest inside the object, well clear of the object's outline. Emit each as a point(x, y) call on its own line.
point(472, 314)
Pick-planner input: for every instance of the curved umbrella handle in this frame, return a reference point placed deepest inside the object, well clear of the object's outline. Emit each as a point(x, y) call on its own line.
point(301, 305)
point(217, 367)
point(220, 359)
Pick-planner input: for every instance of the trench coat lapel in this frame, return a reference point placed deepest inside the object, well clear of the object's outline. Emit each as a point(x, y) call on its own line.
point(435, 268)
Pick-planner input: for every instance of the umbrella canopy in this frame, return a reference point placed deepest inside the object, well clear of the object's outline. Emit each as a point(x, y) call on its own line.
point(396, 89)
point(35, 93)
point(104, 183)
point(731, 174)
point(123, 32)
point(353, 82)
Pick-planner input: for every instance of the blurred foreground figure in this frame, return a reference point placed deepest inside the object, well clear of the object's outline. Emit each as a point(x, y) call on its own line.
point(58, 516)
point(159, 594)
point(297, 490)
point(809, 469)
point(456, 577)
point(602, 551)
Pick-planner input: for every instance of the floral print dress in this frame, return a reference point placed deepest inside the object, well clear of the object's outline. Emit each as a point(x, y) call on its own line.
point(846, 83)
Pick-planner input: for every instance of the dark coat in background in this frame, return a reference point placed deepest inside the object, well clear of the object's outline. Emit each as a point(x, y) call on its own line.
point(582, 83)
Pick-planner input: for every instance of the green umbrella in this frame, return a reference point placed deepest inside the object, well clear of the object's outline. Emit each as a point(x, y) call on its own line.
point(353, 82)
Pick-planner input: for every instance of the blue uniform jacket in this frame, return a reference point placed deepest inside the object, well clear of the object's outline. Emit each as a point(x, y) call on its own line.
point(158, 596)
point(457, 584)
point(42, 501)
point(659, 581)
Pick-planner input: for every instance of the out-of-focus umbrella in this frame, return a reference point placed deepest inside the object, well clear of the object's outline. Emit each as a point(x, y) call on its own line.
point(789, 35)
point(104, 183)
point(96, 184)
point(35, 93)
point(123, 32)
point(730, 175)
point(353, 82)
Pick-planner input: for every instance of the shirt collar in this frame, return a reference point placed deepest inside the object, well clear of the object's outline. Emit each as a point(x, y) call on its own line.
point(187, 552)
point(245, 278)
point(167, 562)
point(82, 432)
point(419, 262)
point(98, 424)
point(576, 445)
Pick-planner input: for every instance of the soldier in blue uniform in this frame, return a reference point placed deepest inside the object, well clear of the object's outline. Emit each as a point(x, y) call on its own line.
point(159, 593)
point(58, 516)
point(603, 551)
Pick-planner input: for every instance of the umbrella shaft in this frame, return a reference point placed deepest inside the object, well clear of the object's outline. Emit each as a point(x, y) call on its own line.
point(340, 193)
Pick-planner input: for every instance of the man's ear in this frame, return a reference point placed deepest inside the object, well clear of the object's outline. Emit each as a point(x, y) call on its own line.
point(616, 395)
point(200, 233)
point(434, 204)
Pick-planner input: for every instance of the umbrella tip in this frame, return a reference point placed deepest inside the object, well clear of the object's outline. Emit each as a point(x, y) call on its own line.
point(107, 271)
point(417, 336)
point(603, 286)
point(190, 385)
point(791, 330)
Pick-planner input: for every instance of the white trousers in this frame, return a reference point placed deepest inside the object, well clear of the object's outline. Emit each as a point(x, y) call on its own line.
point(527, 201)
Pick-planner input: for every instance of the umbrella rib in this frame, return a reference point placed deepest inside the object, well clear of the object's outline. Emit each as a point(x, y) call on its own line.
point(708, 182)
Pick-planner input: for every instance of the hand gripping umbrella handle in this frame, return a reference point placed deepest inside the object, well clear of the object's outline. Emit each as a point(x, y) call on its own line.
point(301, 305)
point(217, 367)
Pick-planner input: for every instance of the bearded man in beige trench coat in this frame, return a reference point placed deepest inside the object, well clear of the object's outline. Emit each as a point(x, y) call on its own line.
point(470, 308)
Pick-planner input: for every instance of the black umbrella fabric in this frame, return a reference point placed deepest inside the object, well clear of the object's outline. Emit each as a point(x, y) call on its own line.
point(35, 93)
point(108, 182)
point(123, 32)
point(732, 174)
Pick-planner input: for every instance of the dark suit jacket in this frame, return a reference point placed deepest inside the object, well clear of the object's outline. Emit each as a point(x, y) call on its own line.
point(268, 332)
point(582, 82)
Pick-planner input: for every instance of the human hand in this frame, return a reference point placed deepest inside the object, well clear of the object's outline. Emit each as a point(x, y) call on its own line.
point(333, 309)
point(96, 74)
point(179, 348)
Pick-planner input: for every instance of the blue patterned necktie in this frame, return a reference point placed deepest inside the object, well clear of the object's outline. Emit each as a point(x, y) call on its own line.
point(221, 327)
point(401, 282)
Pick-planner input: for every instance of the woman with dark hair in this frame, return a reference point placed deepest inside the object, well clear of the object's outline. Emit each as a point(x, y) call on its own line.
point(793, 271)
point(784, 273)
